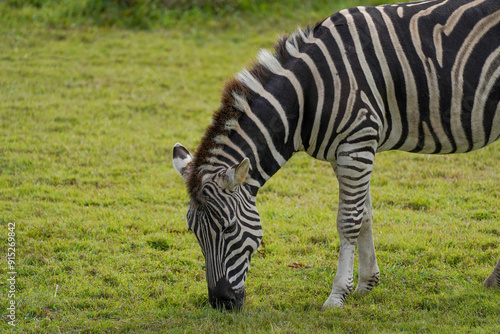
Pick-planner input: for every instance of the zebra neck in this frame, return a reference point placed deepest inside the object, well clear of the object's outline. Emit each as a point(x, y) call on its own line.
point(264, 133)
point(263, 114)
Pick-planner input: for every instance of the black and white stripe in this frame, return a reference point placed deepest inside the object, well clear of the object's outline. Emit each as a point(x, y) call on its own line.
point(421, 77)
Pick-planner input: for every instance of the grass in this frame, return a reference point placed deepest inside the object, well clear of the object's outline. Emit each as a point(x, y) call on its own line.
point(88, 117)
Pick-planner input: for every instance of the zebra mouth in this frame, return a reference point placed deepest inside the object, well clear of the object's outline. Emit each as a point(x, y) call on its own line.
point(224, 297)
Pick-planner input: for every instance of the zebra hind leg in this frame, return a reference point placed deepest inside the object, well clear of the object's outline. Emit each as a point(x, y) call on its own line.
point(494, 279)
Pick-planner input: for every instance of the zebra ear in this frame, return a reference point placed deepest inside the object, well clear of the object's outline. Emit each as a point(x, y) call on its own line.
point(181, 158)
point(237, 175)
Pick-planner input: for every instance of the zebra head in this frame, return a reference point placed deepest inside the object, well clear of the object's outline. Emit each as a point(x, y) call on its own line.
point(223, 216)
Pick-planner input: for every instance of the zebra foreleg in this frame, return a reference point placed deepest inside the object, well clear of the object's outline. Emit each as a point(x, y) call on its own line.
point(369, 273)
point(343, 282)
point(353, 169)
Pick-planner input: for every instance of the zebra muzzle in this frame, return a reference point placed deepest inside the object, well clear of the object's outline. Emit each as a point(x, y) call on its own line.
point(225, 297)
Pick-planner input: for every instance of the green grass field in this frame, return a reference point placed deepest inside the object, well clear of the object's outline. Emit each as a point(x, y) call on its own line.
point(88, 118)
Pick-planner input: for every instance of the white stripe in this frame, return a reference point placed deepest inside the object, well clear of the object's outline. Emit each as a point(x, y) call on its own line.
point(294, 52)
point(242, 103)
point(371, 108)
point(352, 79)
point(363, 62)
point(433, 88)
point(220, 152)
point(400, 12)
point(337, 85)
point(429, 143)
point(392, 101)
point(449, 26)
point(412, 110)
point(248, 80)
point(419, 3)
point(254, 152)
point(272, 64)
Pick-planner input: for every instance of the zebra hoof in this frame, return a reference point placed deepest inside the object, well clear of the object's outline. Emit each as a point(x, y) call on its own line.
point(490, 282)
point(334, 301)
point(362, 290)
point(494, 279)
point(366, 285)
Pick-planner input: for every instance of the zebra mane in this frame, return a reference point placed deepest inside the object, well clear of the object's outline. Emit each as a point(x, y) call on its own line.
point(237, 95)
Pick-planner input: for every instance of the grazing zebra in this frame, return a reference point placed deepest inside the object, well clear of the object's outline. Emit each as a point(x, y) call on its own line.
point(421, 77)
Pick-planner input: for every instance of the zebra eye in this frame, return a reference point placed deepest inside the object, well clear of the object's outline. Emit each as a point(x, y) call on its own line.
point(230, 227)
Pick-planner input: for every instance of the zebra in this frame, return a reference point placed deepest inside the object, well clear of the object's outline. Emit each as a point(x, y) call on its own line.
point(421, 77)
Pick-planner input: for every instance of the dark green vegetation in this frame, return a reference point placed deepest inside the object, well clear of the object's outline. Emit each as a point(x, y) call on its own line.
point(88, 117)
point(146, 14)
